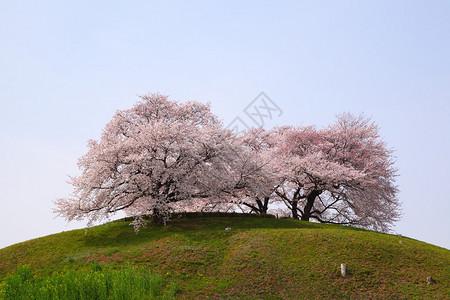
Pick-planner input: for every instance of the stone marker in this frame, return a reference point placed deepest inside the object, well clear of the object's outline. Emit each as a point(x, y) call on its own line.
point(343, 270)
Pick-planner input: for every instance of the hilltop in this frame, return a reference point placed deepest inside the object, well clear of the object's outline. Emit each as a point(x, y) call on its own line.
point(255, 257)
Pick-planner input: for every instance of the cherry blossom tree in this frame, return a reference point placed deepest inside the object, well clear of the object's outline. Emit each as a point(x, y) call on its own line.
point(162, 156)
point(249, 181)
point(157, 153)
point(342, 174)
point(256, 172)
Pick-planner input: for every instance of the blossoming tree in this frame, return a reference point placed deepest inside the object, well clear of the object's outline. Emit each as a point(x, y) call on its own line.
point(160, 156)
point(257, 170)
point(342, 174)
point(156, 153)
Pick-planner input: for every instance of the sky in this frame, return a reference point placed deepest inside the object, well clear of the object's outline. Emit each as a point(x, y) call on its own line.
point(67, 66)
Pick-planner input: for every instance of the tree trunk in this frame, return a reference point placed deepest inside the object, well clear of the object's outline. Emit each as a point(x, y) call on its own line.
point(266, 205)
point(158, 217)
point(294, 210)
point(263, 206)
point(309, 204)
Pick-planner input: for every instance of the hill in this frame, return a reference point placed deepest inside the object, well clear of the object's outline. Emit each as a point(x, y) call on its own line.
point(255, 258)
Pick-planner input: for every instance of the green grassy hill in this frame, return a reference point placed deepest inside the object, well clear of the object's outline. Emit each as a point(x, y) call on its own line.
point(257, 258)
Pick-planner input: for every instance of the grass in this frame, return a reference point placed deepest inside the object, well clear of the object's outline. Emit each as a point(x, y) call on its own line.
point(128, 282)
point(257, 258)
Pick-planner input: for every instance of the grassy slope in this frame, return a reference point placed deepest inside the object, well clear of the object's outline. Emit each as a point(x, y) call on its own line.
point(258, 257)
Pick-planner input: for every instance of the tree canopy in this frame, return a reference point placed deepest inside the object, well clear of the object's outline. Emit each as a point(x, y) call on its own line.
point(342, 174)
point(161, 156)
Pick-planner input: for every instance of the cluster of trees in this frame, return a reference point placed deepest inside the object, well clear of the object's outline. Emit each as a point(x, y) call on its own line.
point(162, 156)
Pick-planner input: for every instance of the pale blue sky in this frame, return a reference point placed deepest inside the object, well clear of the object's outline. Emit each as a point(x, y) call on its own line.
point(66, 66)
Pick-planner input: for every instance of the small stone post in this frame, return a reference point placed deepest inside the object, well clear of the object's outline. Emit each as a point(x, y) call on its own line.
point(343, 270)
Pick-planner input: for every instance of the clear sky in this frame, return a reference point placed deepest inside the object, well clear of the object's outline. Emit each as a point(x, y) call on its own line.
point(67, 66)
